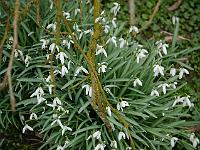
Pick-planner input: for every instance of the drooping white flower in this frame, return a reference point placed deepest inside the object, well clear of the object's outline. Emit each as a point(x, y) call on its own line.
point(56, 103)
point(50, 86)
point(164, 87)
point(48, 79)
point(141, 54)
point(64, 128)
point(182, 72)
point(79, 69)
point(122, 105)
point(26, 127)
point(121, 135)
point(66, 15)
point(133, 29)
point(100, 146)
point(33, 116)
point(101, 50)
point(53, 46)
point(106, 28)
point(68, 42)
point(137, 82)
point(62, 57)
point(27, 59)
point(158, 70)
point(177, 100)
point(184, 100)
point(173, 141)
point(64, 71)
point(52, 26)
point(114, 23)
point(88, 90)
point(44, 43)
point(113, 144)
point(162, 47)
point(194, 140)
point(173, 85)
point(102, 68)
point(19, 53)
point(51, 6)
point(115, 8)
point(175, 20)
point(113, 40)
point(173, 71)
point(76, 11)
point(109, 111)
point(123, 42)
point(154, 93)
point(59, 147)
point(97, 135)
point(39, 93)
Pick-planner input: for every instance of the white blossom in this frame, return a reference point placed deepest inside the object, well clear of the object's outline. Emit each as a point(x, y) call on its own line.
point(79, 69)
point(50, 86)
point(194, 140)
point(173, 71)
point(154, 93)
point(158, 69)
point(52, 26)
point(97, 135)
point(100, 146)
point(102, 68)
point(66, 15)
point(100, 50)
point(27, 59)
point(173, 141)
point(164, 87)
point(121, 105)
point(56, 102)
point(133, 29)
point(182, 72)
point(76, 11)
point(184, 100)
point(48, 78)
point(62, 57)
point(173, 85)
point(64, 71)
point(137, 82)
point(52, 47)
point(122, 43)
point(114, 23)
point(64, 128)
point(115, 8)
point(141, 54)
point(106, 28)
point(121, 135)
point(175, 20)
point(113, 40)
point(109, 111)
point(88, 90)
point(38, 93)
point(113, 144)
point(26, 127)
point(44, 43)
point(33, 116)
point(162, 47)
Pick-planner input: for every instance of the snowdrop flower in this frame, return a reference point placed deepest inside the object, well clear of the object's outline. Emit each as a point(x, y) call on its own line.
point(44, 43)
point(173, 71)
point(97, 135)
point(100, 147)
point(76, 11)
point(51, 6)
point(50, 86)
point(162, 47)
point(175, 20)
point(59, 147)
point(108, 111)
point(182, 72)
point(52, 26)
point(133, 29)
point(122, 42)
point(27, 59)
point(173, 141)
point(38, 93)
point(187, 102)
point(164, 86)
point(48, 78)
point(66, 15)
point(27, 127)
point(64, 71)
point(194, 140)
point(19, 52)
point(33, 116)
point(106, 28)
point(52, 47)
point(141, 54)
point(64, 128)
point(57, 120)
point(68, 42)
point(154, 93)
point(114, 23)
point(103, 67)
point(121, 135)
point(88, 31)
point(137, 82)
point(62, 57)
point(113, 144)
point(158, 69)
point(173, 85)
point(100, 50)
point(79, 69)
point(177, 100)
point(113, 40)
point(88, 90)
point(122, 104)
point(69, 64)
point(115, 8)
point(56, 102)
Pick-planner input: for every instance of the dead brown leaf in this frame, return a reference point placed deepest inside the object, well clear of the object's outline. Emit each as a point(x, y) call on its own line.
point(175, 5)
